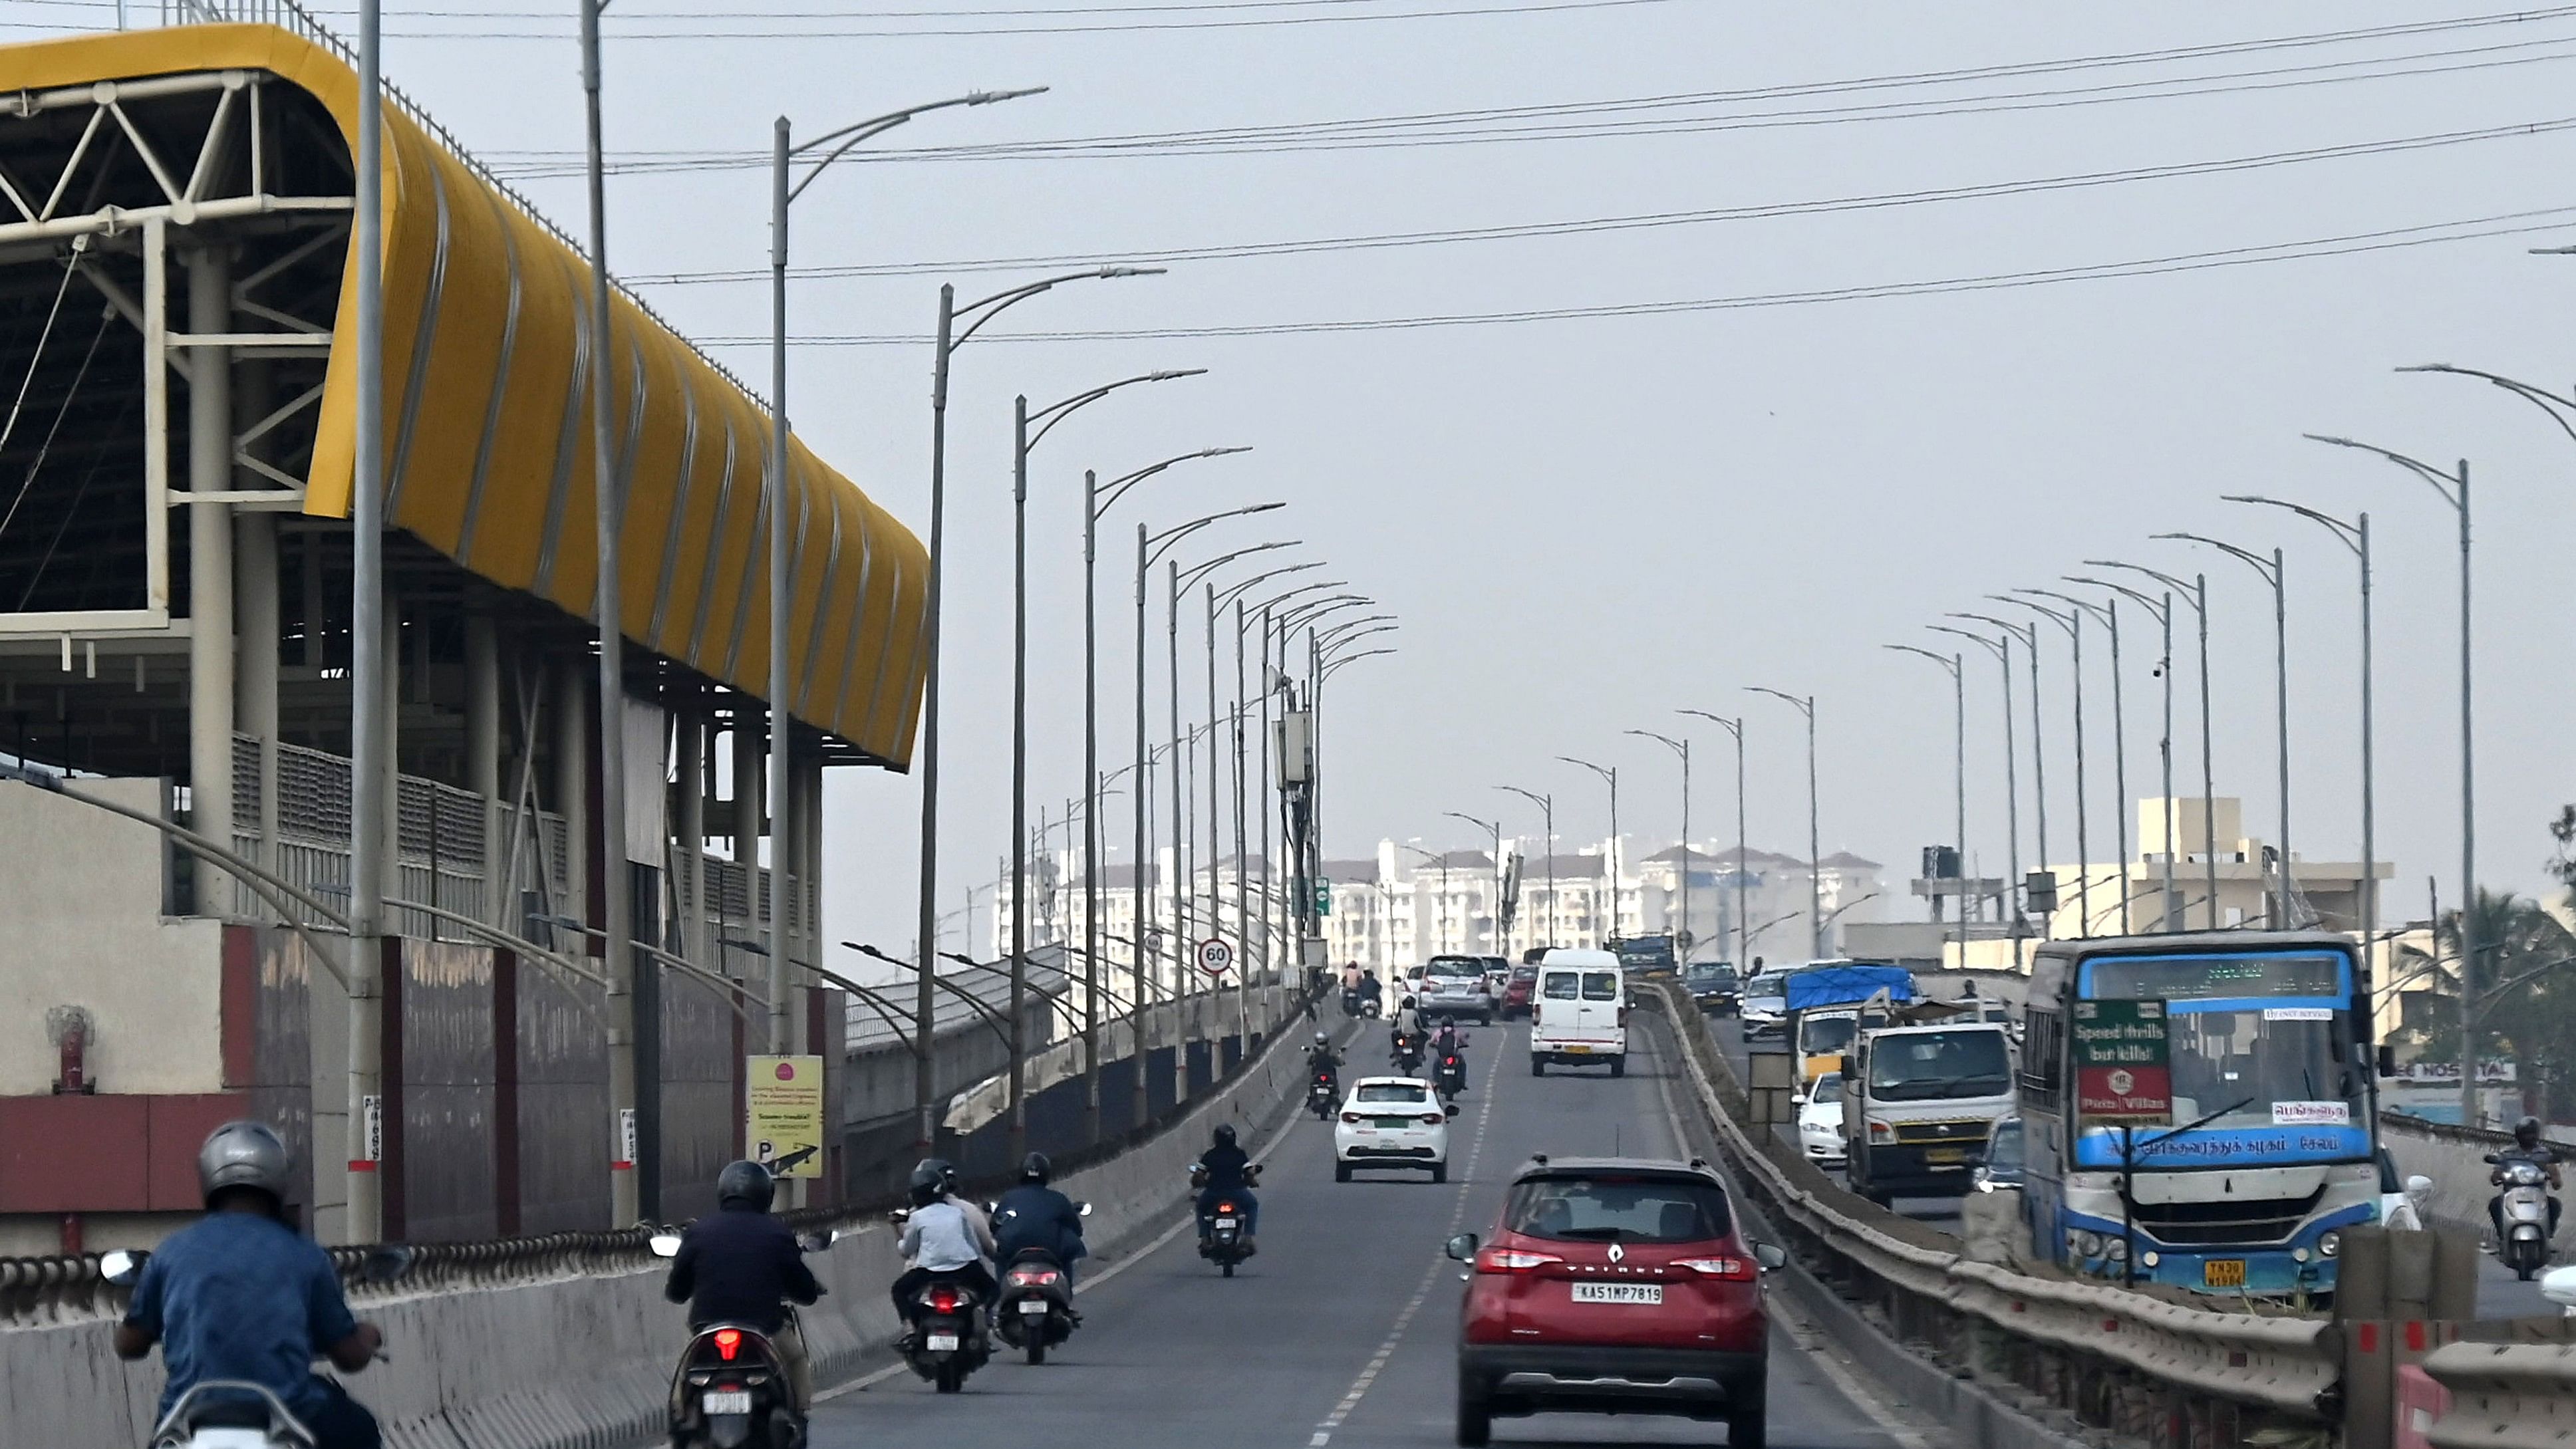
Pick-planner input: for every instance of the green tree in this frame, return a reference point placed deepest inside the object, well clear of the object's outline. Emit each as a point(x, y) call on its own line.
point(2523, 985)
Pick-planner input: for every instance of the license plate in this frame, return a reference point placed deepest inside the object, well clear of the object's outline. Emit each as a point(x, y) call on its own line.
point(1644, 1293)
point(727, 1401)
point(1939, 1155)
point(1390, 1122)
point(942, 1343)
point(1033, 1307)
point(2223, 1273)
point(1225, 1222)
point(1578, 1051)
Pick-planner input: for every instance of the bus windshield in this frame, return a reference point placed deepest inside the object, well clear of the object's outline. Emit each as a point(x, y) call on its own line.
point(2256, 1041)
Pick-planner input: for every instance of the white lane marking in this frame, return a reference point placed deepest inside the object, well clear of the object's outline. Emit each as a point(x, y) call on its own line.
point(1359, 1388)
point(1278, 1140)
point(1804, 1335)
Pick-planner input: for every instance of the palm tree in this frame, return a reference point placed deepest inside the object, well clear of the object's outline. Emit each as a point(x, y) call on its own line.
point(2522, 990)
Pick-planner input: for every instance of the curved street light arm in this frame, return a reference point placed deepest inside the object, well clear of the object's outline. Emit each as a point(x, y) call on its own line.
point(1353, 659)
point(2547, 402)
point(1488, 826)
point(1996, 647)
point(1805, 706)
point(1191, 575)
point(2065, 620)
point(2028, 634)
point(2094, 607)
point(2349, 534)
point(2183, 591)
point(1116, 488)
point(1607, 775)
point(2154, 606)
point(1053, 413)
point(2443, 483)
point(1667, 741)
point(1333, 650)
point(1233, 592)
point(991, 1018)
point(1331, 636)
point(1275, 600)
point(1002, 301)
point(1307, 613)
point(2248, 557)
point(1945, 661)
point(1734, 727)
point(858, 131)
point(1161, 543)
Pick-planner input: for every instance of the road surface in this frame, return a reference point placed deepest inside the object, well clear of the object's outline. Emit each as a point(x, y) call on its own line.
point(1342, 1332)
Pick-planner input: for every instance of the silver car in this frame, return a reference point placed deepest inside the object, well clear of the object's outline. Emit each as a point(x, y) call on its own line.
point(1453, 989)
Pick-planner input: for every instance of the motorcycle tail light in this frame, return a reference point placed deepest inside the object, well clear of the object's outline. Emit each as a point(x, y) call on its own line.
point(1225, 1207)
point(944, 1300)
point(1026, 1276)
point(728, 1343)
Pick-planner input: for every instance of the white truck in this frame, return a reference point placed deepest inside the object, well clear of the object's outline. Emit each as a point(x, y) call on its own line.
point(1917, 1103)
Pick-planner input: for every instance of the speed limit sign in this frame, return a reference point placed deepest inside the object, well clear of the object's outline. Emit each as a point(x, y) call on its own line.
point(1215, 956)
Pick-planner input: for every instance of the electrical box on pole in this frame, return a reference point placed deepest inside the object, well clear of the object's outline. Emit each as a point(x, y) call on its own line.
point(1296, 742)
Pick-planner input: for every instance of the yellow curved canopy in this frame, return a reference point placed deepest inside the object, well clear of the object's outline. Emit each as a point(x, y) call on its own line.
point(487, 365)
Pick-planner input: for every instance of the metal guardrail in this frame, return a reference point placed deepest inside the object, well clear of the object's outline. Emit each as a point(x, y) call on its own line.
point(2504, 1395)
point(2116, 1359)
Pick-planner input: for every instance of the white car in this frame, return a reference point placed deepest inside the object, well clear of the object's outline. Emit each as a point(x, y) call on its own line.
point(2401, 1200)
point(1820, 1122)
point(1392, 1122)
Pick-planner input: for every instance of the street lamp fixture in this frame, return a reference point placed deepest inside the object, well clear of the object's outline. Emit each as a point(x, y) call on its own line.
point(1806, 705)
point(2273, 572)
point(1743, 854)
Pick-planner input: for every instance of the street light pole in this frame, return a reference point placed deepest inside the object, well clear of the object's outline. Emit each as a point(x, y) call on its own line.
point(1743, 855)
point(1547, 815)
point(1815, 845)
point(1681, 748)
point(2354, 535)
point(2072, 621)
point(1957, 665)
point(364, 1213)
point(2012, 787)
point(2272, 573)
point(1493, 921)
point(2454, 489)
point(2196, 594)
point(1605, 934)
point(2109, 614)
point(2160, 610)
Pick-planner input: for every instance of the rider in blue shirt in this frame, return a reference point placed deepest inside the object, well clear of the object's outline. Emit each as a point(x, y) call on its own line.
point(240, 1295)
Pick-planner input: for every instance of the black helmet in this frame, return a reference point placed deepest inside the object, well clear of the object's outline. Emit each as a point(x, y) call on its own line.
point(243, 1155)
point(1225, 1134)
point(924, 1186)
point(748, 1183)
point(1035, 1168)
point(2527, 1131)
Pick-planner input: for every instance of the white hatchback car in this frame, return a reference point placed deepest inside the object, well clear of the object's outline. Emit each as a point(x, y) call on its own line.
point(1820, 1122)
point(1392, 1122)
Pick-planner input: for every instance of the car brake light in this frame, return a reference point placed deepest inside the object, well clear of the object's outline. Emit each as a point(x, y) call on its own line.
point(1734, 1270)
point(1433, 1119)
point(728, 1343)
point(1880, 1131)
point(1512, 1260)
point(1350, 1116)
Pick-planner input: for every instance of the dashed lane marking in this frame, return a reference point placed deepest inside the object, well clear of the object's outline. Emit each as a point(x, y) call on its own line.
point(1368, 1375)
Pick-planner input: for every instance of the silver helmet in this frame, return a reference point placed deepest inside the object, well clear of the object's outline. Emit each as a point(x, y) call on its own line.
point(243, 1154)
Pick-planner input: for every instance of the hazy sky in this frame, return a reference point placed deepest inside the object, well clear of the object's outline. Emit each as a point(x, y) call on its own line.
point(1586, 523)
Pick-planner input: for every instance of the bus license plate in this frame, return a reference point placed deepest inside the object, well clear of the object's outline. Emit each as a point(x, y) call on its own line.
point(1646, 1293)
point(727, 1401)
point(2223, 1273)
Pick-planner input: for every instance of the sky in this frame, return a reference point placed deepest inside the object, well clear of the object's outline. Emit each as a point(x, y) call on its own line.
point(1781, 450)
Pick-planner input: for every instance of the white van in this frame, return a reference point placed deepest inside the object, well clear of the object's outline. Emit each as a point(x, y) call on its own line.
point(1579, 1012)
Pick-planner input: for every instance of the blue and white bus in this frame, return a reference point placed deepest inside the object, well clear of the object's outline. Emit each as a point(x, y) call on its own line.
point(2269, 1153)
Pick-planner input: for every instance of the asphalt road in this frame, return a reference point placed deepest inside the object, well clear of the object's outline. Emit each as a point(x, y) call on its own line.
point(1938, 1212)
point(1342, 1331)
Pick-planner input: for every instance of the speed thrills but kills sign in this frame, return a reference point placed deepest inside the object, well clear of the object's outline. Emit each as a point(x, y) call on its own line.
point(2123, 1062)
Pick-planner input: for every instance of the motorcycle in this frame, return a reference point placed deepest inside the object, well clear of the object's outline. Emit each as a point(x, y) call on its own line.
point(2524, 1244)
point(1407, 1055)
point(731, 1389)
point(1036, 1311)
point(1451, 1078)
point(948, 1340)
point(1221, 1228)
point(1352, 1001)
point(264, 1422)
point(1322, 1095)
point(1373, 1008)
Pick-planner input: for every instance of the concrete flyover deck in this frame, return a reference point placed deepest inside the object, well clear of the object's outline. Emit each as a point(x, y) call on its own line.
point(1342, 1331)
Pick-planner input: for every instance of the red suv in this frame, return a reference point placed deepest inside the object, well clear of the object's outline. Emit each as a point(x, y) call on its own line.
point(1517, 991)
point(1614, 1285)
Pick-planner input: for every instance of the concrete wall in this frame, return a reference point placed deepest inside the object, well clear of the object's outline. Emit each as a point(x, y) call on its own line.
point(561, 1359)
point(81, 925)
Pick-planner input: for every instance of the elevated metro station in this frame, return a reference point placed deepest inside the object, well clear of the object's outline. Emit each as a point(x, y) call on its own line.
point(177, 324)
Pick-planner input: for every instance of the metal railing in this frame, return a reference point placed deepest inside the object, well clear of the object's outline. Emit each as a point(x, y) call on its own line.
point(2117, 1359)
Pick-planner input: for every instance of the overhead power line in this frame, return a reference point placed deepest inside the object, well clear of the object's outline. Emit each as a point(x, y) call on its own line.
point(1638, 222)
point(2516, 223)
point(956, 25)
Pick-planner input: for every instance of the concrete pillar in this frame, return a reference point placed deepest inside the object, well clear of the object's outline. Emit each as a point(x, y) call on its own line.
point(210, 572)
point(747, 780)
point(255, 680)
point(483, 753)
point(572, 719)
point(689, 859)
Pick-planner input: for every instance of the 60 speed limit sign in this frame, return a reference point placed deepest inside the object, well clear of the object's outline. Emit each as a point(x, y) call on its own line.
point(1215, 956)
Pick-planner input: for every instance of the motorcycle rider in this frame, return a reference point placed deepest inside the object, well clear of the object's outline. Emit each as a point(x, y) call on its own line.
point(1322, 1060)
point(941, 1243)
point(2528, 1147)
point(1226, 1165)
point(240, 1295)
point(740, 1265)
point(1034, 1215)
point(1406, 1030)
point(1372, 990)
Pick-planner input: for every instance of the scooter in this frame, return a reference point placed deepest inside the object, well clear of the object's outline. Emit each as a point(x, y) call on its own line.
point(1322, 1095)
point(1036, 1311)
point(1407, 1055)
point(2524, 1244)
point(1352, 1001)
point(1451, 1078)
point(230, 1423)
point(731, 1389)
point(1221, 1229)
